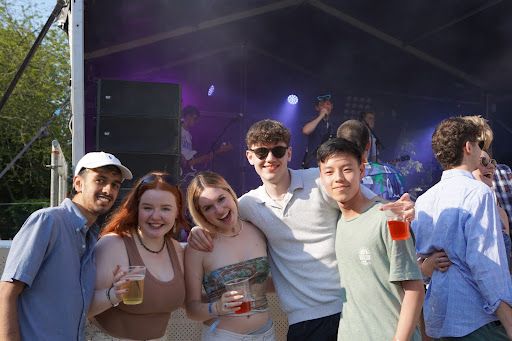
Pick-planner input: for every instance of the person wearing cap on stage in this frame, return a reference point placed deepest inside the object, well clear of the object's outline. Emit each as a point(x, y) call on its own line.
point(319, 129)
point(48, 280)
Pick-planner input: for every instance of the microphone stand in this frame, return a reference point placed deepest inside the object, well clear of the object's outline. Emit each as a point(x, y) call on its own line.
point(223, 131)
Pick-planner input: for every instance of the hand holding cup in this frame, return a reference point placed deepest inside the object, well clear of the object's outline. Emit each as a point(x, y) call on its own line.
point(133, 284)
point(397, 223)
point(229, 303)
point(240, 291)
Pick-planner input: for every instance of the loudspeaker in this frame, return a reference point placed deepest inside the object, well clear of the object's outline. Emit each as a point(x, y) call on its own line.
point(139, 122)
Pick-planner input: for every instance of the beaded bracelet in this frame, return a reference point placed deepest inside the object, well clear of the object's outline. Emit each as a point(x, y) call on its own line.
point(108, 296)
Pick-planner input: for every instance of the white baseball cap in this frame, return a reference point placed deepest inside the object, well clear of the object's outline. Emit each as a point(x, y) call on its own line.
point(99, 159)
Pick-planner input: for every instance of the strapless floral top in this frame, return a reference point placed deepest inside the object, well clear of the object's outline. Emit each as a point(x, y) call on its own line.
point(257, 269)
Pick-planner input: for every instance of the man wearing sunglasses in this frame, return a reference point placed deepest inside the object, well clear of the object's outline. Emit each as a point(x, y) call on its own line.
point(299, 220)
point(472, 299)
point(502, 180)
point(319, 129)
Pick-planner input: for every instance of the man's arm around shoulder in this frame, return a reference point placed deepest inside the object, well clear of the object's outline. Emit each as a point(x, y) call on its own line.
point(9, 293)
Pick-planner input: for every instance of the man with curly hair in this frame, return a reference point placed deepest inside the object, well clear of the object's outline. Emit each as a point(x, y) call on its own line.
point(472, 299)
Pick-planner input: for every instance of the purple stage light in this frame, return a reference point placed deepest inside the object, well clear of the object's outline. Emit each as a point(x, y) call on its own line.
point(211, 90)
point(293, 99)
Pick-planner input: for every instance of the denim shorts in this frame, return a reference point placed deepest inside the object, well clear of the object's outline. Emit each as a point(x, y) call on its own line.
point(225, 335)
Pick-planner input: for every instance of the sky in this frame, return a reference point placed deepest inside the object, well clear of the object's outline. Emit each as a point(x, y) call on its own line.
point(44, 7)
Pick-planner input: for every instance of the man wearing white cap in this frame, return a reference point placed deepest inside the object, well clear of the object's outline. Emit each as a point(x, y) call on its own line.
point(48, 280)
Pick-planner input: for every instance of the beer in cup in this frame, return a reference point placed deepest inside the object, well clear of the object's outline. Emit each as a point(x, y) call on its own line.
point(135, 285)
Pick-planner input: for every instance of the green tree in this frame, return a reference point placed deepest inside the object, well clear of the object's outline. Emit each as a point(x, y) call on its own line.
point(40, 91)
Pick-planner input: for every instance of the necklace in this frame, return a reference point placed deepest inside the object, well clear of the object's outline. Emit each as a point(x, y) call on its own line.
point(278, 198)
point(147, 248)
point(235, 234)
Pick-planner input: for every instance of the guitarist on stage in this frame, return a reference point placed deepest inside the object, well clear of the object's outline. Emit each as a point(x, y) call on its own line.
point(189, 117)
point(189, 157)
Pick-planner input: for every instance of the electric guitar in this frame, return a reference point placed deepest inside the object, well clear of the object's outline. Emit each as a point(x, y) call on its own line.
point(188, 166)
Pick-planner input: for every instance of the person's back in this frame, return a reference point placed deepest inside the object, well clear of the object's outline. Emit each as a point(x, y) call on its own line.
point(455, 215)
point(459, 216)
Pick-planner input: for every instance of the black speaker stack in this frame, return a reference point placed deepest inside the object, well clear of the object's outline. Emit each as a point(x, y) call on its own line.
point(139, 122)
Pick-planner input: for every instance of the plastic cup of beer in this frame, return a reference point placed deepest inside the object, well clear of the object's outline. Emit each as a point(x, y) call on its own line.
point(242, 287)
point(135, 275)
point(397, 224)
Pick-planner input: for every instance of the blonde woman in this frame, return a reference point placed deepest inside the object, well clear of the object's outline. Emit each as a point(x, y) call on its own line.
point(240, 252)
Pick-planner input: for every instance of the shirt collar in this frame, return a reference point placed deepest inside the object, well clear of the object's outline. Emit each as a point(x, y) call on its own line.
point(448, 174)
point(79, 221)
point(296, 182)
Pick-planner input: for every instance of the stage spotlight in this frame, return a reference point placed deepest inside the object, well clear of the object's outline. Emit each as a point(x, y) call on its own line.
point(293, 99)
point(211, 90)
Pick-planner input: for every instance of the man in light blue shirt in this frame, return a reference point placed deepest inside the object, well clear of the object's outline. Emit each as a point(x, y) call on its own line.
point(459, 215)
point(48, 280)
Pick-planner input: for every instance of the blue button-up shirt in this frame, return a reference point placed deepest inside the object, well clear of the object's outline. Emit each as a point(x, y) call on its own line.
point(53, 255)
point(459, 215)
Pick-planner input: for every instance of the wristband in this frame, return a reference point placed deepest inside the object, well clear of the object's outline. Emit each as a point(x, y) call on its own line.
point(108, 296)
point(210, 308)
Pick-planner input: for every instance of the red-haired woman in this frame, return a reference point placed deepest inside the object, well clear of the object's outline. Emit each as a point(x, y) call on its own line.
point(141, 233)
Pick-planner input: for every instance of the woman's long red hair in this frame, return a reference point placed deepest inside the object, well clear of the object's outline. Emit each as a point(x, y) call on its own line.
point(125, 218)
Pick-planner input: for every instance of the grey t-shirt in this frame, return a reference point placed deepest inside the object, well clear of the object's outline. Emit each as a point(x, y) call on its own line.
point(371, 265)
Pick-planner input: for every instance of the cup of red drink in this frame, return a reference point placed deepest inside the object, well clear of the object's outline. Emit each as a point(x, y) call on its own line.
point(397, 224)
point(243, 287)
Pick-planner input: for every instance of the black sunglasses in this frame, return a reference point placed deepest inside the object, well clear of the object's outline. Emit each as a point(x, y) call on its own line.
point(323, 98)
point(262, 152)
point(485, 161)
